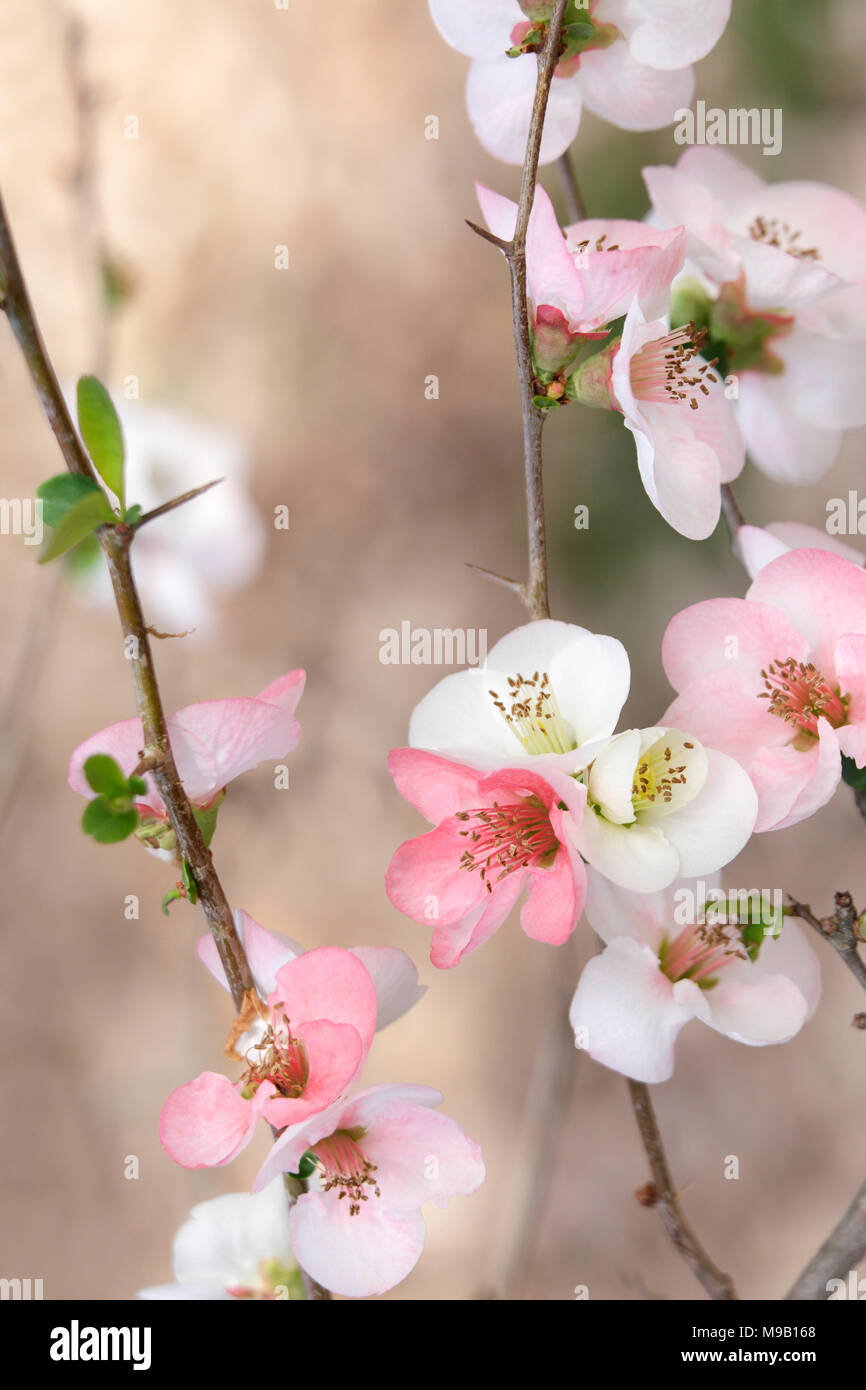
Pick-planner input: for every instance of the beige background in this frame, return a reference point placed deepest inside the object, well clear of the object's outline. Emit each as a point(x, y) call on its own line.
point(306, 127)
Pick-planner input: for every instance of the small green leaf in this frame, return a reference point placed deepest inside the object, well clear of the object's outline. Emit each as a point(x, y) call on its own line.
point(106, 777)
point(189, 883)
point(87, 515)
point(137, 786)
point(101, 432)
point(132, 515)
point(306, 1167)
point(170, 897)
point(852, 774)
point(544, 402)
point(206, 819)
point(105, 824)
point(60, 493)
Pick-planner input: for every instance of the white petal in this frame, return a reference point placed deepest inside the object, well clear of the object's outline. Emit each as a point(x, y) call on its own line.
point(395, 979)
point(499, 95)
point(225, 1240)
point(478, 28)
point(712, 829)
point(627, 1014)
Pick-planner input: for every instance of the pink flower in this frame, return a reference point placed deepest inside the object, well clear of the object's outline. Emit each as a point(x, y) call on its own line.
point(673, 402)
point(663, 966)
point(320, 1023)
point(394, 977)
point(212, 742)
point(580, 282)
point(626, 60)
point(786, 271)
point(756, 546)
point(379, 1157)
point(778, 679)
point(496, 834)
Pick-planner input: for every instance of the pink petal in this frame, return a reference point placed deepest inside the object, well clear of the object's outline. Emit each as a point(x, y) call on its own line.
point(698, 641)
point(822, 594)
point(793, 784)
point(783, 446)
point(236, 735)
point(123, 742)
point(421, 1156)
point(556, 897)
point(722, 174)
point(266, 951)
point(327, 983)
point(354, 1256)
point(205, 1123)
point(395, 980)
point(452, 941)
point(436, 786)
point(425, 880)
point(335, 1054)
point(285, 691)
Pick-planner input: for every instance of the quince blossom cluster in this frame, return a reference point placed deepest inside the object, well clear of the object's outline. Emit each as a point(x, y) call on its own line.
point(371, 1157)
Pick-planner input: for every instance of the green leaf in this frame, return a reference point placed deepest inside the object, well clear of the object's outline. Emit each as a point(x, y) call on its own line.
point(171, 896)
point(105, 824)
point(137, 786)
point(101, 432)
point(132, 515)
point(87, 515)
point(306, 1167)
point(106, 777)
point(206, 819)
point(852, 774)
point(189, 883)
point(60, 493)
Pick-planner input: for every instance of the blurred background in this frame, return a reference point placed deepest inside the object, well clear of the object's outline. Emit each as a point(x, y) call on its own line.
point(304, 129)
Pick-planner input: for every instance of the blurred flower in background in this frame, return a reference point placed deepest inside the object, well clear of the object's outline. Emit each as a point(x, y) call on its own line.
point(190, 556)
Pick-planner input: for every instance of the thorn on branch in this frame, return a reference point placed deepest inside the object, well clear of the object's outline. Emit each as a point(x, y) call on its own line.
point(175, 502)
point(506, 247)
point(154, 632)
point(513, 584)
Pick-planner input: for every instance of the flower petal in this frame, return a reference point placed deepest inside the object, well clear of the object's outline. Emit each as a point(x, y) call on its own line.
point(206, 1123)
point(626, 1014)
point(327, 983)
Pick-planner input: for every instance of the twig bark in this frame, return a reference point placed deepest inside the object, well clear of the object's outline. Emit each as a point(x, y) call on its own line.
point(664, 1198)
point(839, 930)
point(570, 189)
point(534, 592)
point(731, 510)
point(841, 1252)
point(156, 751)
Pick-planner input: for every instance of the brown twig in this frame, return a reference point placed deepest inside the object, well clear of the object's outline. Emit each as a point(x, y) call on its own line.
point(115, 541)
point(570, 189)
point(841, 1252)
point(732, 511)
point(664, 1199)
point(175, 502)
point(534, 591)
point(839, 930)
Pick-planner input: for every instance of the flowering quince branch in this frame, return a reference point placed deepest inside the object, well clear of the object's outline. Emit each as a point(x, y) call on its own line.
point(662, 1195)
point(115, 542)
point(840, 1253)
point(534, 591)
point(842, 930)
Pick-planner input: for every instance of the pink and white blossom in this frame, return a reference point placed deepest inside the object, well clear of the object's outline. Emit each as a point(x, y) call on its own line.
point(235, 1246)
point(786, 266)
point(628, 61)
point(394, 977)
point(379, 1156)
point(778, 679)
point(661, 806)
point(657, 973)
point(685, 429)
point(212, 742)
point(756, 546)
point(582, 277)
point(496, 835)
point(547, 692)
point(320, 1021)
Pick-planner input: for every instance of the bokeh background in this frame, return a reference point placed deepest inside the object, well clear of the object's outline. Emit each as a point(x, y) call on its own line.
point(304, 128)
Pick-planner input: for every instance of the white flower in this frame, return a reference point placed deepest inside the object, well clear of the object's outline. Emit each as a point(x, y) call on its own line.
point(656, 974)
point(234, 1246)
